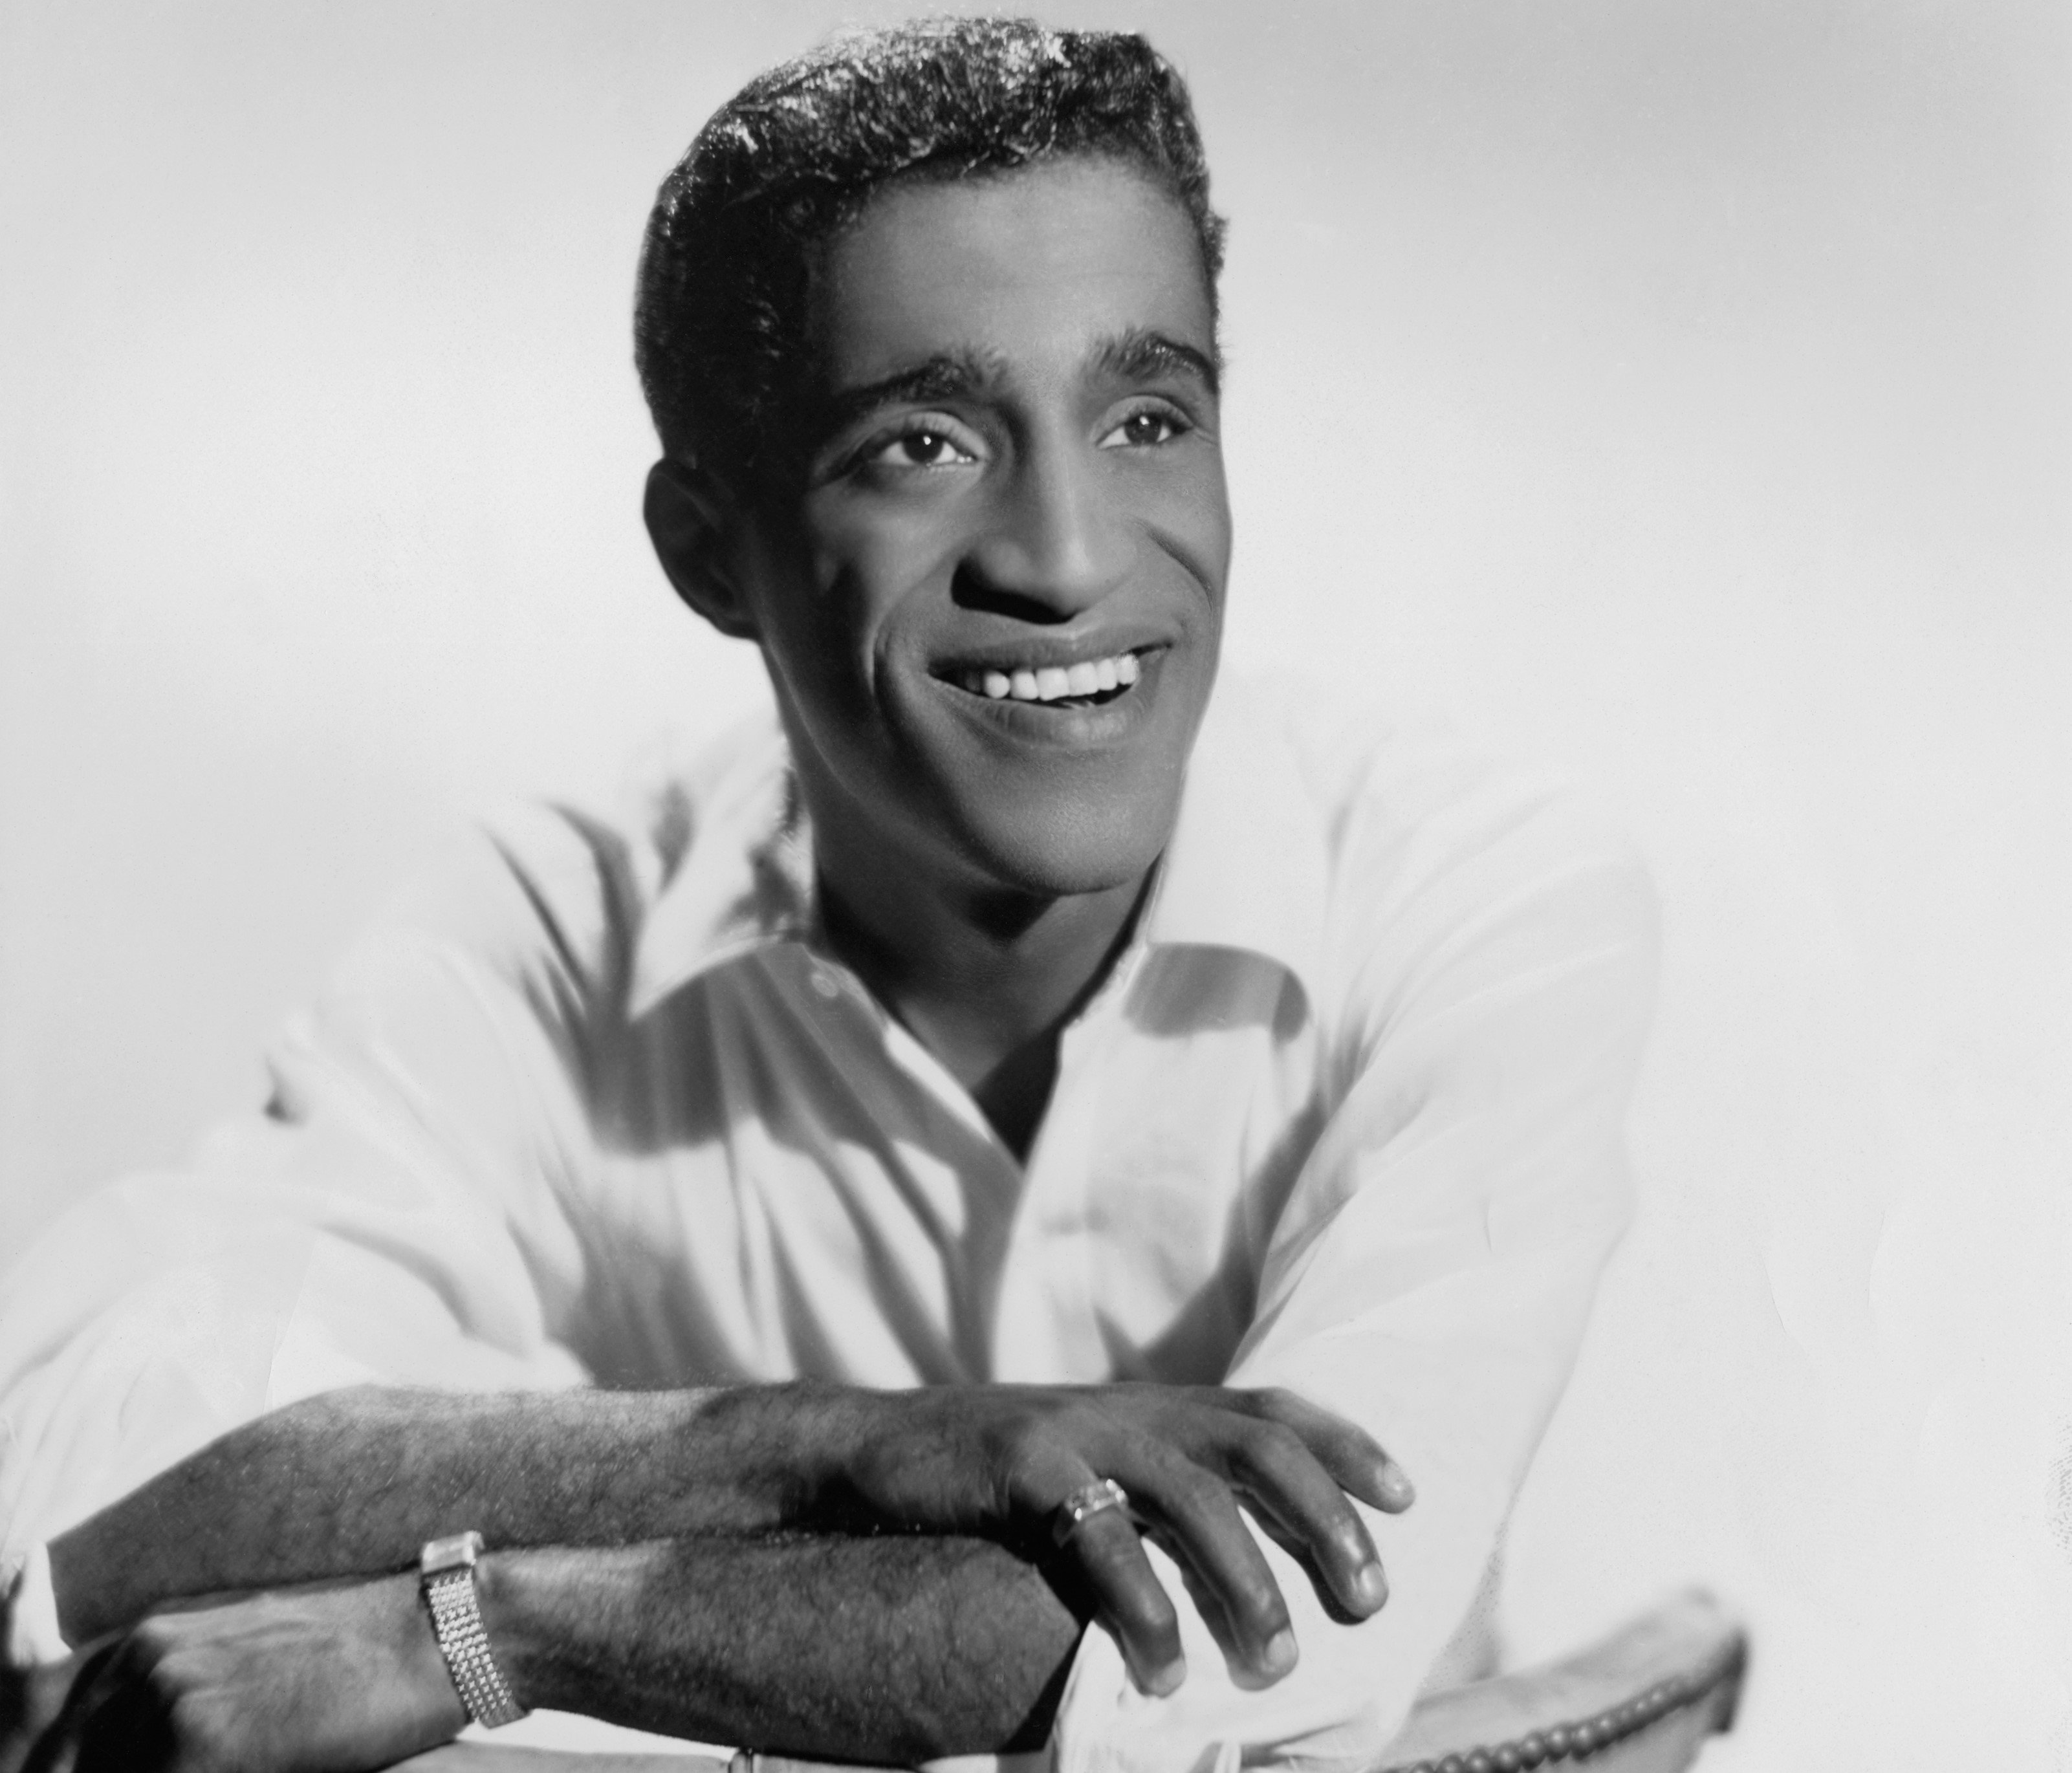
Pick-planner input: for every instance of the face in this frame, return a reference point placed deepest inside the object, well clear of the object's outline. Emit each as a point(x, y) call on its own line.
point(992, 614)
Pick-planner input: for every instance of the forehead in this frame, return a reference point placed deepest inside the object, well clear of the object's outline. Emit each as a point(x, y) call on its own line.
point(1034, 267)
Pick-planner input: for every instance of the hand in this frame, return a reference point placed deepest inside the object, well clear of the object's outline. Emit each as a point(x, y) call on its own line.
point(1000, 1459)
point(30, 1700)
point(331, 1678)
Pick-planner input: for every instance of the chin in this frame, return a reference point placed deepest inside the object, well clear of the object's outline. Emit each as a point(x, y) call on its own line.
point(1060, 850)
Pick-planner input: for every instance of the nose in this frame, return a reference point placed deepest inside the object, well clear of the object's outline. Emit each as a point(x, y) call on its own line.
point(1054, 541)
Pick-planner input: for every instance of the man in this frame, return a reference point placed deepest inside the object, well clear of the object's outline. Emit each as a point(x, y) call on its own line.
point(1009, 1142)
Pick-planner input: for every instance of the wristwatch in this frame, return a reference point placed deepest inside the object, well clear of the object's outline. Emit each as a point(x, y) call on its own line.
point(446, 1570)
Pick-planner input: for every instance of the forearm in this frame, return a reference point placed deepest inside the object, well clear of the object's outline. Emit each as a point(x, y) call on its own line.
point(892, 1649)
point(355, 1482)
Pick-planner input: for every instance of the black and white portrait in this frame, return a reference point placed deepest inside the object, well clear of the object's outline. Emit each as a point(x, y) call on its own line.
point(1350, 732)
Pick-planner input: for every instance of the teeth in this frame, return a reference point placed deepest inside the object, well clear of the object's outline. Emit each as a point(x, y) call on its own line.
point(1094, 677)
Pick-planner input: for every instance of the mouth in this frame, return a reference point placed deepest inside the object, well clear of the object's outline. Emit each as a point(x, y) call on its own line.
point(1089, 683)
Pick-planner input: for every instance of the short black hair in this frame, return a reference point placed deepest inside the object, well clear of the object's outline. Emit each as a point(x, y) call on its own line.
point(720, 314)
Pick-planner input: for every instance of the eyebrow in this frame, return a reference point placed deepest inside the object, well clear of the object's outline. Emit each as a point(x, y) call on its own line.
point(1141, 353)
point(944, 376)
point(1137, 355)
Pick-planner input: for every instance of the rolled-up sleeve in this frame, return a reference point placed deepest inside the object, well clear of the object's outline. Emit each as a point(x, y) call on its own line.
point(1431, 1273)
point(396, 1213)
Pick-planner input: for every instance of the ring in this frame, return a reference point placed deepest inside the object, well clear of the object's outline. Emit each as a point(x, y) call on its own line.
point(1083, 1503)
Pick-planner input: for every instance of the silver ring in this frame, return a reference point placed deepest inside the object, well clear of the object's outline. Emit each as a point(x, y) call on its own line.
point(1083, 1503)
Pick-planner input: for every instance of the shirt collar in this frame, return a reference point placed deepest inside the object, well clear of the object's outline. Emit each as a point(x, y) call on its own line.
point(744, 871)
point(1248, 868)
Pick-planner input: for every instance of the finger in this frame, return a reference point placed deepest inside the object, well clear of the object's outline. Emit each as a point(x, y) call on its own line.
point(36, 1701)
point(1195, 1516)
point(112, 1736)
point(56, 1747)
point(76, 1741)
point(1104, 1548)
point(1356, 1461)
point(1301, 1503)
point(1130, 1600)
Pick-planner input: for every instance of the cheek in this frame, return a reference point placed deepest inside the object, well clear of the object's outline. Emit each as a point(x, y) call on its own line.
point(848, 611)
point(869, 582)
point(888, 549)
point(1184, 511)
point(1207, 526)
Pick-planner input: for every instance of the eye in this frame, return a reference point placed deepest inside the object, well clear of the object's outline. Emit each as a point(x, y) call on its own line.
point(921, 446)
point(1145, 429)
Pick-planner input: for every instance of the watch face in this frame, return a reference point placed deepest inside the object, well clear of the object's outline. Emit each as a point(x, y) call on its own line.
point(458, 1551)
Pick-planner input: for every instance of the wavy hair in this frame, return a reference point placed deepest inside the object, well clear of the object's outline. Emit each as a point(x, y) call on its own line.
point(720, 315)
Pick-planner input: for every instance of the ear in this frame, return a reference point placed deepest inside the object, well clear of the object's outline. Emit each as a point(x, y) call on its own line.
point(694, 523)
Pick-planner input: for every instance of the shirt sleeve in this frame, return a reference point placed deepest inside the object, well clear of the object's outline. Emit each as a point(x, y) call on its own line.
point(396, 1213)
point(1431, 1275)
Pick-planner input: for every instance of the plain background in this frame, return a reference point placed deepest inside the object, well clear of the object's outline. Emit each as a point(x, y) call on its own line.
point(1673, 394)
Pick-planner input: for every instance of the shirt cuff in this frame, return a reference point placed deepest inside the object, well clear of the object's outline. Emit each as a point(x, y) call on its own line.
point(31, 1615)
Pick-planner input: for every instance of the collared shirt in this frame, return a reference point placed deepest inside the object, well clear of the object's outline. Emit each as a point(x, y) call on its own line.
point(1345, 1116)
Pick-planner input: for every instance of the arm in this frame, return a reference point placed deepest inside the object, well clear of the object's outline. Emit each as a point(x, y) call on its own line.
point(390, 1216)
point(354, 1482)
point(893, 1649)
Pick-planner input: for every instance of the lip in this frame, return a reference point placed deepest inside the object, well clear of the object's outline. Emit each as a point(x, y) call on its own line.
point(1055, 723)
point(1047, 651)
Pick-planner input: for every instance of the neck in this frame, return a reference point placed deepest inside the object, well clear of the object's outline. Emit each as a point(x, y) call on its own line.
point(984, 977)
point(975, 970)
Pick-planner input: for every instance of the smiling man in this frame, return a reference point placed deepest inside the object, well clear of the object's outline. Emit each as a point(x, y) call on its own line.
point(912, 1236)
point(991, 595)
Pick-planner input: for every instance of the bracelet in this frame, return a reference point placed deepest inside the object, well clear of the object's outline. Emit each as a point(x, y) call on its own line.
point(446, 1570)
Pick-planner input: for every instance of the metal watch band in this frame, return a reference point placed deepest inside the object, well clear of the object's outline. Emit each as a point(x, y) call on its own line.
point(447, 1569)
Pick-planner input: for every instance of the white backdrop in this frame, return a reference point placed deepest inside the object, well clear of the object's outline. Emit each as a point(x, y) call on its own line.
point(1672, 391)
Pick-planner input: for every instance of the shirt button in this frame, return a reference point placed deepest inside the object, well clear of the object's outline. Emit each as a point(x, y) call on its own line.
point(826, 983)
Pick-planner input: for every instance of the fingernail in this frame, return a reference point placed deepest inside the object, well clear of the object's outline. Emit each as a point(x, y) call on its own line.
point(1162, 1681)
point(1397, 1487)
point(1370, 1585)
point(1281, 1653)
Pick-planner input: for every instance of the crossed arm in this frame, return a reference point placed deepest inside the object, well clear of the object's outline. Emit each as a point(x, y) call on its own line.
point(807, 1568)
point(1429, 1275)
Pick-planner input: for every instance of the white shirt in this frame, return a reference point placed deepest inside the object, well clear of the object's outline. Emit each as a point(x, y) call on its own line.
point(1345, 1117)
